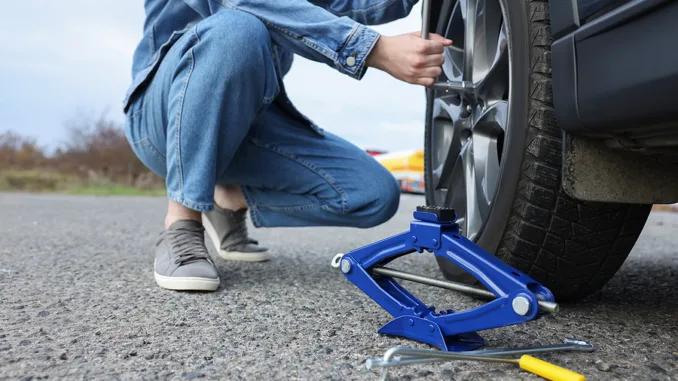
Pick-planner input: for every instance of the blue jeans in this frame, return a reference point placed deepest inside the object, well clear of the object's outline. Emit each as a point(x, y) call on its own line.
point(215, 112)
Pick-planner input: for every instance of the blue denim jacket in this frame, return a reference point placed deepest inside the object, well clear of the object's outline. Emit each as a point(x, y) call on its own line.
point(333, 32)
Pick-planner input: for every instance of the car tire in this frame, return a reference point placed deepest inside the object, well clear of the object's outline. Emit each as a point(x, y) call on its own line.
point(572, 247)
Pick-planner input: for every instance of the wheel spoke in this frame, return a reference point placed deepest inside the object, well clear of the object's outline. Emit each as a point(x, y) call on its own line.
point(446, 138)
point(453, 67)
point(443, 171)
point(456, 196)
point(487, 134)
point(483, 27)
point(493, 120)
point(474, 219)
point(493, 83)
point(486, 171)
point(461, 194)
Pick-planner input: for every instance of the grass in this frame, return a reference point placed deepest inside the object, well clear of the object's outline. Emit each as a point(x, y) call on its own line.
point(51, 182)
point(115, 190)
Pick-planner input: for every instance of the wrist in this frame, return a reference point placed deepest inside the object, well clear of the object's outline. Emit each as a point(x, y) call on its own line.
point(376, 56)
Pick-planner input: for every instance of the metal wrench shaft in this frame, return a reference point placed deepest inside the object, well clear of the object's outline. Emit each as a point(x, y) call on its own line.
point(426, 19)
point(568, 345)
point(526, 362)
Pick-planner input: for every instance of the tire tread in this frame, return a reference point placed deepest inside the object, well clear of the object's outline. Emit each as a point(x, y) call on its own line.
point(572, 247)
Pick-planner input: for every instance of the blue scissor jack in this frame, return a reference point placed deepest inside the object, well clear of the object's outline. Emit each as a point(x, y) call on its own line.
point(517, 298)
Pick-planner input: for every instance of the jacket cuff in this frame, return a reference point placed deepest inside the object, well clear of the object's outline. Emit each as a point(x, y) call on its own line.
point(351, 59)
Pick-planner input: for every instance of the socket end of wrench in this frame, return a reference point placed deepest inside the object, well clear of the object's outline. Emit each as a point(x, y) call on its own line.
point(580, 344)
point(368, 364)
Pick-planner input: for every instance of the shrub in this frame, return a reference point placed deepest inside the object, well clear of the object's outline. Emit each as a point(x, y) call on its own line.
point(20, 152)
point(31, 181)
point(95, 154)
point(98, 148)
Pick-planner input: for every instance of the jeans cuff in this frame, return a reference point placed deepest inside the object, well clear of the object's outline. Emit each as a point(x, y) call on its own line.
point(255, 214)
point(200, 207)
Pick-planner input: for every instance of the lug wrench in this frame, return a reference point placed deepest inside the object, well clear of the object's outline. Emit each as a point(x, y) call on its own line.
point(568, 345)
point(526, 362)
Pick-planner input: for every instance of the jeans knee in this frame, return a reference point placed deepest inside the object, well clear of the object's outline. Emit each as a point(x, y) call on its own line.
point(235, 40)
point(378, 202)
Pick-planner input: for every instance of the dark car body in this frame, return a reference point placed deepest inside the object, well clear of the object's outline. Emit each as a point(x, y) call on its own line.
point(614, 63)
point(615, 76)
point(615, 73)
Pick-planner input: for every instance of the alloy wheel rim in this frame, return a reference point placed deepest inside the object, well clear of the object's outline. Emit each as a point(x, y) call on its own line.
point(469, 125)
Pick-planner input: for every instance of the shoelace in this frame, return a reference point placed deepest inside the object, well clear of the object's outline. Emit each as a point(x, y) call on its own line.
point(188, 244)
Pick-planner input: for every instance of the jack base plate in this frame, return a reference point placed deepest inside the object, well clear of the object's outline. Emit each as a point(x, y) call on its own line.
point(423, 330)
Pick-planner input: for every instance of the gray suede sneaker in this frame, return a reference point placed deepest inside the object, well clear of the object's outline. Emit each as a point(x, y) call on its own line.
point(182, 261)
point(228, 231)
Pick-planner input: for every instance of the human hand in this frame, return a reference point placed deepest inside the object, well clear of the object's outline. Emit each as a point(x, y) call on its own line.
point(410, 58)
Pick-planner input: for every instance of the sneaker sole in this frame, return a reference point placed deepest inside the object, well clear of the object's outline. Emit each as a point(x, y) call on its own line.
point(231, 255)
point(186, 283)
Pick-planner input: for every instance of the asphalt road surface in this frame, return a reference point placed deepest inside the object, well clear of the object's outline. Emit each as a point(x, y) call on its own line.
point(78, 301)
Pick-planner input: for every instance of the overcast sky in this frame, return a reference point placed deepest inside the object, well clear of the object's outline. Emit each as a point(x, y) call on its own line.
point(65, 57)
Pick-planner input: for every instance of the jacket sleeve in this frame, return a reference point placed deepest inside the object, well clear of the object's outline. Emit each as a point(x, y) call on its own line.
point(326, 31)
point(369, 12)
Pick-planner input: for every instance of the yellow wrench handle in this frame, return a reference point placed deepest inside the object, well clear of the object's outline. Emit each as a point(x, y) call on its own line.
point(548, 370)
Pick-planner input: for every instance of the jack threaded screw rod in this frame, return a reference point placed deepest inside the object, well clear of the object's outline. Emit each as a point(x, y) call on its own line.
point(454, 286)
